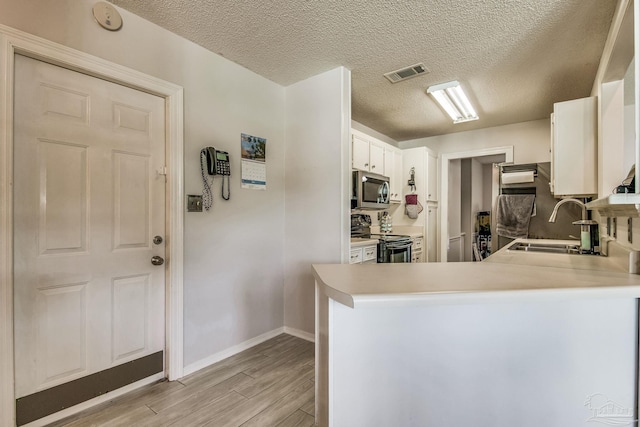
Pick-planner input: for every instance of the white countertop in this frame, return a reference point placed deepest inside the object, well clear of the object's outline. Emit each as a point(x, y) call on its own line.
point(357, 242)
point(614, 263)
point(406, 230)
point(510, 278)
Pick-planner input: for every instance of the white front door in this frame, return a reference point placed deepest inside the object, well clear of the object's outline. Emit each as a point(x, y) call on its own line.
point(89, 197)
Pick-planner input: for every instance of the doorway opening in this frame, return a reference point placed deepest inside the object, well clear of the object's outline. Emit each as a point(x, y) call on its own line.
point(468, 186)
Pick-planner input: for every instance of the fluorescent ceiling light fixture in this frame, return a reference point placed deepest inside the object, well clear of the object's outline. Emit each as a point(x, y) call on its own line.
point(454, 101)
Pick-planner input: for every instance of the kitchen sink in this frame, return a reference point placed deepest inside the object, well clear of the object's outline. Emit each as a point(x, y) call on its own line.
point(547, 247)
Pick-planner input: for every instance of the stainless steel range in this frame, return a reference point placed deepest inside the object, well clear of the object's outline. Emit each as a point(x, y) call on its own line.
point(392, 248)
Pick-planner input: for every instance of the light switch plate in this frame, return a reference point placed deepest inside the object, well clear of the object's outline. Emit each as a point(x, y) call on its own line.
point(194, 203)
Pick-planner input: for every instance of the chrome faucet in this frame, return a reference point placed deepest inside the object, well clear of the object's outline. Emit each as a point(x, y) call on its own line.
point(587, 241)
point(552, 218)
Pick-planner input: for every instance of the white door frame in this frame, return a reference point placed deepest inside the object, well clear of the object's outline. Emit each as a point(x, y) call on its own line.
point(443, 217)
point(14, 42)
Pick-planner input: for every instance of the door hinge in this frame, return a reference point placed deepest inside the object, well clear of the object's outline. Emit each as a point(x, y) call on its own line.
point(162, 171)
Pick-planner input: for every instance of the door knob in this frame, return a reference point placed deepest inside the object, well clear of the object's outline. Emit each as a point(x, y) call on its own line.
point(157, 260)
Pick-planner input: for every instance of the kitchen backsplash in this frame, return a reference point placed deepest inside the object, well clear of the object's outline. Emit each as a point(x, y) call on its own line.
point(396, 212)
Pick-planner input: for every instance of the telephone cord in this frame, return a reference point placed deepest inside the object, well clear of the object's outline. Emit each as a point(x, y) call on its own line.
point(228, 196)
point(207, 195)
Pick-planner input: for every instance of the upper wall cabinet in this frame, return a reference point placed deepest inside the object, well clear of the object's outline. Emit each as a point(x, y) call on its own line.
point(372, 155)
point(616, 85)
point(393, 169)
point(574, 148)
point(367, 155)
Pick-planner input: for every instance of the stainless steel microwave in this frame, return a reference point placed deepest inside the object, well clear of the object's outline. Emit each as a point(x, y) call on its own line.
point(369, 190)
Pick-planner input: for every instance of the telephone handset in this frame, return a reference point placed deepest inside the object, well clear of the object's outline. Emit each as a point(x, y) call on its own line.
point(214, 162)
point(217, 162)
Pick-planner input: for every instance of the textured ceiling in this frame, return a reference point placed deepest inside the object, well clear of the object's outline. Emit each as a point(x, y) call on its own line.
point(513, 58)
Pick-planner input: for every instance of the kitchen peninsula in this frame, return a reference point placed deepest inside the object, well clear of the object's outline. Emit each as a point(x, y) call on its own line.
point(490, 344)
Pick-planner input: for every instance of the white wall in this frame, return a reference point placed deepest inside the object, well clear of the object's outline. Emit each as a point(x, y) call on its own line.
point(530, 141)
point(233, 283)
point(318, 112)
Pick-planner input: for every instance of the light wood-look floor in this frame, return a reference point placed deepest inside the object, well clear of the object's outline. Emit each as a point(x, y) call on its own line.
point(271, 384)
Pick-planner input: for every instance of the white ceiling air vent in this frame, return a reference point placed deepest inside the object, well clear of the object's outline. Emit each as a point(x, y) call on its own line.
point(406, 73)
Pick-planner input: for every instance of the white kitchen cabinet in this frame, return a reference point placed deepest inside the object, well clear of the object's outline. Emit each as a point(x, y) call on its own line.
point(389, 165)
point(432, 177)
point(372, 155)
point(367, 155)
point(574, 148)
point(355, 256)
point(376, 159)
point(370, 254)
point(363, 254)
point(393, 169)
point(416, 249)
point(432, 232)
point(398, 177)
point(360, 153)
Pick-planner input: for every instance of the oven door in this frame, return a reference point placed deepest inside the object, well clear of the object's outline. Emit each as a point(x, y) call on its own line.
point(394, 252)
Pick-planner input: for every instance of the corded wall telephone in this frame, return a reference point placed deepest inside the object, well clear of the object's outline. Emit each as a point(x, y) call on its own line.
point(217, 162)
point(214, 162)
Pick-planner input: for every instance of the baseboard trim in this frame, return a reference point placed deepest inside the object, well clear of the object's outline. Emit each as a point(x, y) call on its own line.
point(221, 355)
point(217, 357)
point(93, 402)
point(300, 334)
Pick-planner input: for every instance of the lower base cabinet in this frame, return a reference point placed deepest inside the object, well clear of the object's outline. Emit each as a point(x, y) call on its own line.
point(417, 254)
point(364, 255)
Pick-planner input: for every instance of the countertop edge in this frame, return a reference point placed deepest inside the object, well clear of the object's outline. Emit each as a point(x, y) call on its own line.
point(366, 285)
point(489, 296)
point(331, 292)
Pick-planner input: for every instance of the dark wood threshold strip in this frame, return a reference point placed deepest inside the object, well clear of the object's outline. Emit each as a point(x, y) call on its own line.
point(47, 402)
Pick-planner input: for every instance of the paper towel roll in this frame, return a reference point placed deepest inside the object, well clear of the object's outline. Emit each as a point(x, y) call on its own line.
point(517, 177)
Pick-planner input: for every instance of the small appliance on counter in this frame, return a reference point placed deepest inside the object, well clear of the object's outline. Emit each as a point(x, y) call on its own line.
point(392, 248)
point(360, 225)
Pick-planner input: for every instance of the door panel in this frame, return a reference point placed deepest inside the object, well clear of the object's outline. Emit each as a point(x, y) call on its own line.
point(62, 170)
point(87, 200)
point(130, 316)
point(61, 332)
point(131, 202)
